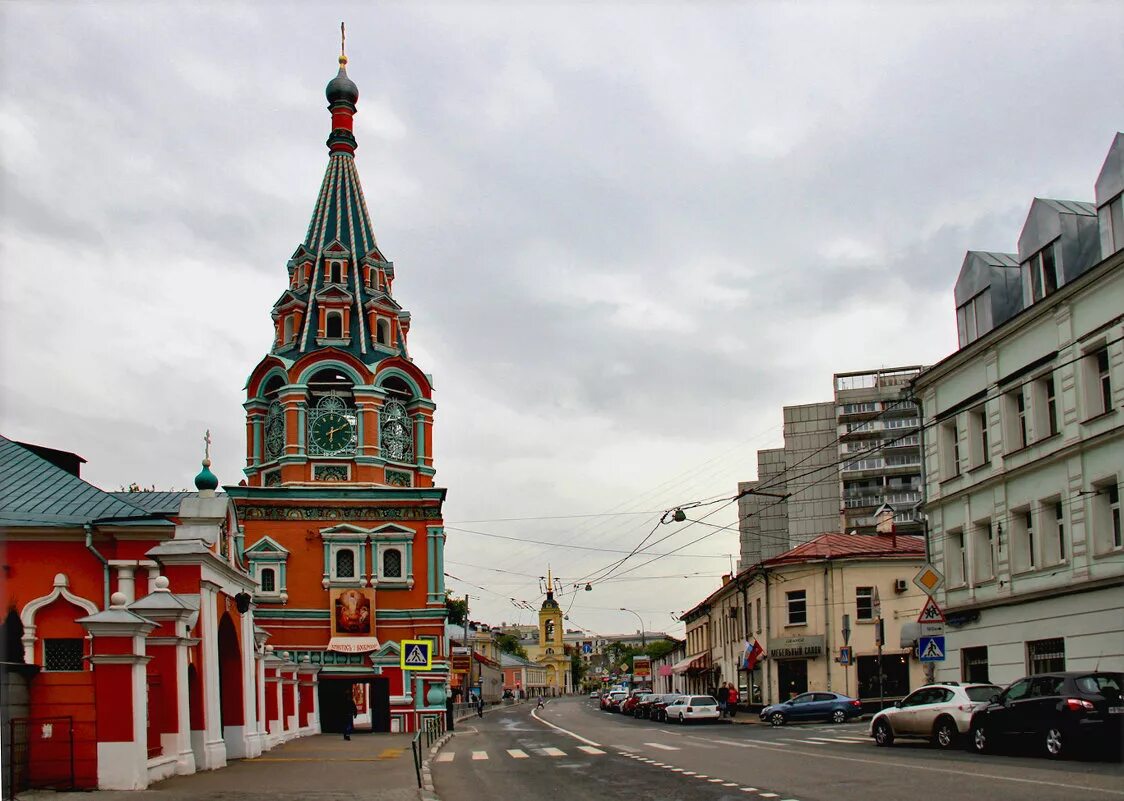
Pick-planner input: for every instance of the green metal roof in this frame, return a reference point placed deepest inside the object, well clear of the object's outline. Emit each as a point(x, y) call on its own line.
point(33, 492)
point(164, 503)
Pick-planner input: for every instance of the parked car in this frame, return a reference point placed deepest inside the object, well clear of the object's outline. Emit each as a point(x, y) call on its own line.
point(612, 701)
point(595, 694)
point(836, 707)
point(689, 708)
point(643, 705)
point(1060, 713)
point(938, 712)
point(659, 705)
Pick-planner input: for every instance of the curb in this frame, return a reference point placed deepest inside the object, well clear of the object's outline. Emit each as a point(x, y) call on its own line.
point(427, 793)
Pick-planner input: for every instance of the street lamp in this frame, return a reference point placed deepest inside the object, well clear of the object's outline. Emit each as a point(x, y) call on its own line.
point(643, 635)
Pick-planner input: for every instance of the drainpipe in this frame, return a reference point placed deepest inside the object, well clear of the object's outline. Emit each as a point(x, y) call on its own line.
point(828, 622)
point(924, 485)
point(104, 564)
point(768, 637)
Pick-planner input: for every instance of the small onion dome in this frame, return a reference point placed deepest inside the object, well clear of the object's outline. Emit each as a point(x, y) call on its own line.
point(206, 480)
point(550, 603)
point(342, 89)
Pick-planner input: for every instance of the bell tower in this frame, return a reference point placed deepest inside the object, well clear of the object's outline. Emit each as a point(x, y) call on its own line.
point(550, 620)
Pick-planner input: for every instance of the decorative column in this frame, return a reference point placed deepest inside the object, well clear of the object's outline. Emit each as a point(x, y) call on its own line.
point(262, 731)
point(273, 703)
point(214, 746)
point(289, 684)
point(168, 646)
point(126, 579)
point(120, 694)
point(308, 722)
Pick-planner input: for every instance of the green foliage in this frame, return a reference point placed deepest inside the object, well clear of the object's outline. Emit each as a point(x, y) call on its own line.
point(578, 667)
point(660, 648)
point(458, 609)
point(509, 644)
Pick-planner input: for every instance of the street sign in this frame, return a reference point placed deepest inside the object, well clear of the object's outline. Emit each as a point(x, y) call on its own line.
point(930, 629)
point(846, 629)
point(931, 649)
point(929, 579)
point(930, 612)
point(416, 655)
point(845, 655)
point(875, 605)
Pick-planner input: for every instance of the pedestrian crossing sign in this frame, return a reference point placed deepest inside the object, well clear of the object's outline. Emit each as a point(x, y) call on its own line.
point(417, 655)
point(931, 649)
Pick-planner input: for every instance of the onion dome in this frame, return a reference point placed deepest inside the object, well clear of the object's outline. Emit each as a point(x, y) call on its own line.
point(550, 603)
point(342, 89)
point(206, 480)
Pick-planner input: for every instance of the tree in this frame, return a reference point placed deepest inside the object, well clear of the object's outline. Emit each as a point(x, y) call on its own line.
point(509, 644)
point(660, 648)
point(578, 667)
point(458, 609)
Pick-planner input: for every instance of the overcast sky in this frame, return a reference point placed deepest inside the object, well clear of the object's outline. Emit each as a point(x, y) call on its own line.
point(627, 234)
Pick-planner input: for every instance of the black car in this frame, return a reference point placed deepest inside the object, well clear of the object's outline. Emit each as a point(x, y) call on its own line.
point(1057, 713)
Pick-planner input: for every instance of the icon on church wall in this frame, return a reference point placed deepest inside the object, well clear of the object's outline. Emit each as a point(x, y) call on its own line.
point(353, 612)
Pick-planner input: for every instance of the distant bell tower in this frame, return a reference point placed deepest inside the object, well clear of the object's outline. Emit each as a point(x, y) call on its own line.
point(338, 398)
point(550, 620)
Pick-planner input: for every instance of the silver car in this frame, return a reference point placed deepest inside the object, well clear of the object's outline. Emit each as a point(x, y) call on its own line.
point(941, 713)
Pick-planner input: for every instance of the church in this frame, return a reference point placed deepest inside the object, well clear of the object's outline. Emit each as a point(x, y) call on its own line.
point(149, 634)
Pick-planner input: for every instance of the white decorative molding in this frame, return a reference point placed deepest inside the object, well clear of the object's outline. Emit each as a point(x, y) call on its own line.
point(31, 608)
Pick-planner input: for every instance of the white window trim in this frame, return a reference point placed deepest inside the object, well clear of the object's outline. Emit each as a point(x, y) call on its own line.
point(259, 569)
point(381, 554)
point(334, 556)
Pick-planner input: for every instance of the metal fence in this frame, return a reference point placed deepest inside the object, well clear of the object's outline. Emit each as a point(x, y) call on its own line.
point(42, 755)
point(431, 730)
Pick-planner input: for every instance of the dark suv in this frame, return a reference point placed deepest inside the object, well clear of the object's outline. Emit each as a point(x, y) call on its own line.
point(1057, 712)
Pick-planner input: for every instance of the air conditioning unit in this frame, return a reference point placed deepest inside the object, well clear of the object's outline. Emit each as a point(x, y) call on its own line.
point(900, 585)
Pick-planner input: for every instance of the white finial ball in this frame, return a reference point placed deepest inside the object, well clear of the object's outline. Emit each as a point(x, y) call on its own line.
point(269, 649)
point(161, 583)
point(118, 599)
point(284, 654)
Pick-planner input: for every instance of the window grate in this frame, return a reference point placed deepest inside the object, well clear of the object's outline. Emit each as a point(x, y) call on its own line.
point(63, 654)
point(392, 563)
point(345, 564)
point(1046, 656)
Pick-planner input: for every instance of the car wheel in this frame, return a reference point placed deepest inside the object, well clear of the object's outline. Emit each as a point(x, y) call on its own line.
point(980, 741)
point(682, 720)
point(945, 733)
point(838, 716)
point(1055, 742)
point(883, 734)
point(777, 719)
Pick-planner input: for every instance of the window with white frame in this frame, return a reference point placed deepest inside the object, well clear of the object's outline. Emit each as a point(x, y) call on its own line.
point(797, 602)
point(983, 553)
point(392, 563)
point(956, 559)
point(344, 563)
point(973, 319)
point(1111, 221)
point(1051, 520)
point(1106, 517)
point(1098, 383)
point(979, 452)
point(1045, 407)
point(864, 603)
point(1014, 421)
point(950, 449)
point(758, 615)
point(1042, 271)
point(267, 579)
point(1022, 540)
point(288, 328)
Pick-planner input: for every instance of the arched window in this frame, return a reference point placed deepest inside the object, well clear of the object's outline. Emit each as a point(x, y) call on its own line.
point(268, 580)
point(333, 325)
point(392, 563)
point(345, 563)
point(383, 335)
point(336, 271)
point(288, 328)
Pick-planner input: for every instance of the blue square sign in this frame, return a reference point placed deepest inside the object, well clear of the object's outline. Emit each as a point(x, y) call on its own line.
point(931, 649)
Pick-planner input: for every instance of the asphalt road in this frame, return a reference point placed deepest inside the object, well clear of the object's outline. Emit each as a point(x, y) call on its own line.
point(597, 755)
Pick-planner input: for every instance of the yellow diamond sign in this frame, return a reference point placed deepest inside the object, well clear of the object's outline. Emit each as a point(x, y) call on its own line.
point(929, 579)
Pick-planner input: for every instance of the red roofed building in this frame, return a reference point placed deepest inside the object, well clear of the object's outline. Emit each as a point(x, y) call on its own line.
point(793, 607)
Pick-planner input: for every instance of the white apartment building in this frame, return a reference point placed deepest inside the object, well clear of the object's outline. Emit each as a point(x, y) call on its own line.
point(1024, 447)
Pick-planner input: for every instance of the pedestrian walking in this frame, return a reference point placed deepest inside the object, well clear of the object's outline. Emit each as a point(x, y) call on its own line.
point(732, 700)
point(480, 706)
point(541, 704)
point(722, 695)
point(350, 711)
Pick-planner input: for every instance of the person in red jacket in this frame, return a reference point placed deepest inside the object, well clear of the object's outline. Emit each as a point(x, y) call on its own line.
point(732, 700)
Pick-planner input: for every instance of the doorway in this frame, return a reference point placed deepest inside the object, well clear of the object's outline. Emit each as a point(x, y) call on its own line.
point(792, 678)
point(334, 694)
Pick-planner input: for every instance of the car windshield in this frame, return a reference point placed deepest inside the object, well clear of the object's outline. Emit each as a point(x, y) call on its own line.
point(981, 693)
point(1107, 684)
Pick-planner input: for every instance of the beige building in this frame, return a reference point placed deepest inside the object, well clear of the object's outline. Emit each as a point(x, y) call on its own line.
point(794, 604)
point(550, 651)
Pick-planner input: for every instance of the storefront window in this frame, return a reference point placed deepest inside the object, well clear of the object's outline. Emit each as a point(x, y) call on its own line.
point(895, 676)
point(792, 677)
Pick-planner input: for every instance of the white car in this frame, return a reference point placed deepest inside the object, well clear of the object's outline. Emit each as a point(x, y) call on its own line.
point(688, 708)
point(941, 713)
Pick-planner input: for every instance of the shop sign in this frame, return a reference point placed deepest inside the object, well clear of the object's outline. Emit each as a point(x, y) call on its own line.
point(806, 647)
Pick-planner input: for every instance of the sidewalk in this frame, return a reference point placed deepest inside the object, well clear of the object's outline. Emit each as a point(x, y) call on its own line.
point(324, 767)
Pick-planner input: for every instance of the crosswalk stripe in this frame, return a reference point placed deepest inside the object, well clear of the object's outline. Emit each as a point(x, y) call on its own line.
point(814, 742)
point(729, 784)
point(589, 749)
point(553, 752)
point(749, 789)
point(663, 747)
point(447, 756)
point(517, 753)
point(768, 795)
point(479, 754)
point(715, 781)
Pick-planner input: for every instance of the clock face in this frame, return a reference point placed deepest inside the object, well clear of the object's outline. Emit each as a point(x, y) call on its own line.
point(333, 432)
point(274, 432)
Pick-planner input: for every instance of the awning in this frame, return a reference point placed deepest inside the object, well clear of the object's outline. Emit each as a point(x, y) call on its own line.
point(691, 663)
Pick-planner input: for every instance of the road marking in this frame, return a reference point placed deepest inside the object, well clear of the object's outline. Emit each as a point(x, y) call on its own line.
point(749, 789)
point(730, 784)
point(553, 752)
point(534, 714)
point(839, 740)
point(701, 776)
point(517, 753)
point(768, 795)
point(479, 754)
point(672, 733)
point(678, 770)
point(716, 781)
point(813, 742)
point(688, 773)
point(448, 756)
point(589, 749)
point(663, 747)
